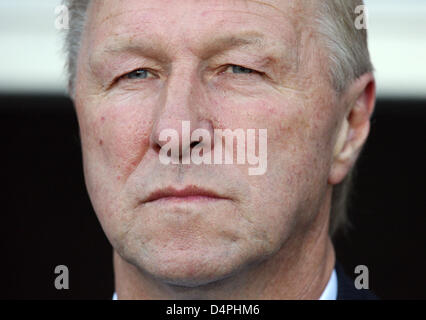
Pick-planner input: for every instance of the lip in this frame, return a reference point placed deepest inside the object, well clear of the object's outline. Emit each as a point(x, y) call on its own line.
point(187, 194)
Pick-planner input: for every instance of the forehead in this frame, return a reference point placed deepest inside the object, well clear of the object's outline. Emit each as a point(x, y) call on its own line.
point(189, 21)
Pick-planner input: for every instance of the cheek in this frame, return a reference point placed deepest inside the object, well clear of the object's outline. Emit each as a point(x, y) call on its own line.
point(299, 149)
point(302, 128)
point(123, 138)
point(243, 113)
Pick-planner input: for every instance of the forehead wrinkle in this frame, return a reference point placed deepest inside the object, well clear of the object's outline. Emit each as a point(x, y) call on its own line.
point(299, 7)
point(232, 41)
point(263, 3)
point(298, 13)
point(96, 10)
point(297, 16)
point(153, 46)
point(144, 46)
point(134, 43)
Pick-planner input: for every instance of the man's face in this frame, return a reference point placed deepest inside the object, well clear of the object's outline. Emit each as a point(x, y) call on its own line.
point(189, 55)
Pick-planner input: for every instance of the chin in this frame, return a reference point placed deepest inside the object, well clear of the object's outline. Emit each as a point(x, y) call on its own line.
point(191, 268)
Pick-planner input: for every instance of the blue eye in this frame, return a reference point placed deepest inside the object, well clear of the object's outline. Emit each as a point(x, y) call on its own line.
point(137, 74)
point(239, 69)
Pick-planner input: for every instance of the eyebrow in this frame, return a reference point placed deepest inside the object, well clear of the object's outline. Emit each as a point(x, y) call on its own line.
point(126, 45)
point(229, 42)
point(271, 52)
point(155, 48)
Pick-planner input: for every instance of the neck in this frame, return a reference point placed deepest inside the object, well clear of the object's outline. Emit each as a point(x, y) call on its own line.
point(299, 270)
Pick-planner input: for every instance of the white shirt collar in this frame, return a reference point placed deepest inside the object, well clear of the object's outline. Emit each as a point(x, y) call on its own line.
point(329, 293)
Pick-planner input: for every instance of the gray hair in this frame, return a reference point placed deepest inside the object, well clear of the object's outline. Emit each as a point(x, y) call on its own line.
point(345, 44)
point(349, 57)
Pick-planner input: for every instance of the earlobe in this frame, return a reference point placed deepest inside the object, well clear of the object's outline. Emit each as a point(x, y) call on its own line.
point(354, 129)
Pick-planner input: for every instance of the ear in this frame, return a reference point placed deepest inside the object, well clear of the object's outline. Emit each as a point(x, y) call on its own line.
point(359, 99)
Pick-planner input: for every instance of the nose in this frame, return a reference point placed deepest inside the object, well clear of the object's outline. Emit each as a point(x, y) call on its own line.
point(182, 110)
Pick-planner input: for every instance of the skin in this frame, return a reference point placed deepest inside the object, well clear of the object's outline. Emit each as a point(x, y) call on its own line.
point(268, 237)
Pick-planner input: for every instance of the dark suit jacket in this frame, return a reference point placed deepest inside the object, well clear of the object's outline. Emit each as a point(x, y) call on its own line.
point(346, 288)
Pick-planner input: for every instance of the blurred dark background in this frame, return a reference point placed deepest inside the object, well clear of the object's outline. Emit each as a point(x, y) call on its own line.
point(47, 218)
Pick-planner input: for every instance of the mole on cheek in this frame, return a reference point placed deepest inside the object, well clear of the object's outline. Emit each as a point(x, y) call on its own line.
point(101, 142)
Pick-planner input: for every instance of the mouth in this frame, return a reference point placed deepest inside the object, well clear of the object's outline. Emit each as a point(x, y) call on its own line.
point(188, 194)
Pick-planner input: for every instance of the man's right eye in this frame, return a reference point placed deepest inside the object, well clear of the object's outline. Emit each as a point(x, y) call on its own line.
point(137, 74)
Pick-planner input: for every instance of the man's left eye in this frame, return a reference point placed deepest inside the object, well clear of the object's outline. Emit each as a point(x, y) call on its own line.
point(238, 69)
point(138, 74)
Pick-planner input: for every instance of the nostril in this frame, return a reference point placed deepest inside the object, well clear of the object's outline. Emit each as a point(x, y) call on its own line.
point(194, 143)
point(156, 147)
